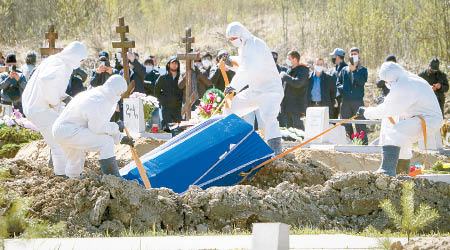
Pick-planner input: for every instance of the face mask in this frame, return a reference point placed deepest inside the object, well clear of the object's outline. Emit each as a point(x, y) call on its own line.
point(206, 63)
point(288, 62)
point(148, 69)
point(318, 68)
point(237, 43)
point(355, 59)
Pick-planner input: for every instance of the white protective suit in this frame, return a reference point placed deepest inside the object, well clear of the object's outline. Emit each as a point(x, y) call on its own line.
point(47, 86)
point(257, 69)
point(85, 125)
point(410, 96)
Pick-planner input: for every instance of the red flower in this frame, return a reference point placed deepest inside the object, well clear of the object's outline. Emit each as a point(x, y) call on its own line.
point(355, 135)
point(361, 133)
point(412, 169)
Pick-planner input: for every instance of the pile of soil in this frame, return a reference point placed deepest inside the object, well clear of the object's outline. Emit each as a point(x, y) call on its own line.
point(297, 191)
point(428, 243)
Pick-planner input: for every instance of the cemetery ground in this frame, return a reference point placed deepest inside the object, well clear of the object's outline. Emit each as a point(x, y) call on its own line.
point(314, 191)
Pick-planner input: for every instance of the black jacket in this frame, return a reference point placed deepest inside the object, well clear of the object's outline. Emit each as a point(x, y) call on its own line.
point(217, 79)
point(100, 79)
point(433, 78)
point(335, 74)
point(137, 75)
point(327, 90)
point(150, 82)
point(281, 68)
point(167, 91)
point(76, 82)
point(295, 84)
point(351, 83)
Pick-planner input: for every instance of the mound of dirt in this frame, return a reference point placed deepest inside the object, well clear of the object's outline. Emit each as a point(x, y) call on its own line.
point(299, 193)
point(429, 243)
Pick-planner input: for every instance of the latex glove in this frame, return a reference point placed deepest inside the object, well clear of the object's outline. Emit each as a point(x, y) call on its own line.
point(282, 74)
point(336, 103)
point(67, 99)
point(361, 111)
point(228, 90)
point(127, 140)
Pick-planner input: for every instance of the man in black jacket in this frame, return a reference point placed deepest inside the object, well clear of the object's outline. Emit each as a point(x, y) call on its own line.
point(438, 80)
point(76, 82)
point(150, 77)
point(136, 72)
point(104, 70)
point(216, 76)
point(337, 58)
point(169, 95)
point(295, 82)
point(321, 88)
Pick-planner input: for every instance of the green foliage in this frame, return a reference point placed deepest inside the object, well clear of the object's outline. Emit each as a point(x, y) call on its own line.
point(13, 138)
point(409, 221)
point(14, 219)
point(214, 91)
point(148, 111)
point(439, 166)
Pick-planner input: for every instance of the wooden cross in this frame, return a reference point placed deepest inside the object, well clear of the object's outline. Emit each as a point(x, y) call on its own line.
point(124, 44)
point(188, 56)
point(51, 35)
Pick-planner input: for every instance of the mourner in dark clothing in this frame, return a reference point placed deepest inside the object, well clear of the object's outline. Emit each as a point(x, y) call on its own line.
point(321, 88)
point(151, 76)
point(169, 95)
point(295, 83)
point(104, 70)
point(337, 58)
point(350, 84)
point(12, 84)
point(438, 80)
point(136, 72)
point(216, 76)
point(200, 83)
point(76, 82)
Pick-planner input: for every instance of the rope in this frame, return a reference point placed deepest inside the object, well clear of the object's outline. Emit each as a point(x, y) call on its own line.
point(245, 175)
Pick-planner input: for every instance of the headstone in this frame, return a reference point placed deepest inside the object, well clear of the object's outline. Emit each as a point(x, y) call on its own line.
point(190, 90)
point(270, 236)
point(434, 142)
point(317, 121)
point(51, 36)
point(133, 115)
point(336, 136)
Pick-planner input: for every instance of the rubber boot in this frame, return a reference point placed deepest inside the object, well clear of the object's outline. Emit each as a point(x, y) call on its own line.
point(275, 145)
point(390, 160)
point(403, 166)
point(110, 166)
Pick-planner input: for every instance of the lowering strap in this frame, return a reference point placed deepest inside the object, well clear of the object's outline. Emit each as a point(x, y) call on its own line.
point(246, 174)
point(424, 131)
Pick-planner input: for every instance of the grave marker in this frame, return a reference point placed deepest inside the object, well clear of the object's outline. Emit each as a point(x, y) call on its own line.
point(317, 121)
point(133, 115)
point(51, 35)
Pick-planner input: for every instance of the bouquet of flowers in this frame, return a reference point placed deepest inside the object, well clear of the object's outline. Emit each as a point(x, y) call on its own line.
point(357, 138)
point(210, 102)
point(150, 103)
point(17, 120)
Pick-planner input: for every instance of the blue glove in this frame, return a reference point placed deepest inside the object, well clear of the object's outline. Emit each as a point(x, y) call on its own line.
point(228, 90)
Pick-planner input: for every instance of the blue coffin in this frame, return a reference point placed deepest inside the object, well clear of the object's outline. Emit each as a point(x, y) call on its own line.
point(212, 153)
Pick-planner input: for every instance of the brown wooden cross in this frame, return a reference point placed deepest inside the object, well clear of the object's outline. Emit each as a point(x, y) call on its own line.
point(124, 44)
point(188, 56)
point(51, 35)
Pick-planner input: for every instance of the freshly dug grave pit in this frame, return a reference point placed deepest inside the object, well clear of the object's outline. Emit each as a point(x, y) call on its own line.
point(293, 191)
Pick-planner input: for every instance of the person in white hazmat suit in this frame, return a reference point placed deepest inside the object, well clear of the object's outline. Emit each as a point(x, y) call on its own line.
point(45, 96)
point(85, 125)
point(410, 97)
point(257, 69)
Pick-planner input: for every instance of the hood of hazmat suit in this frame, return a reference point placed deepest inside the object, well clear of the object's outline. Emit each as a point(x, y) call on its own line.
point(94, 108)
point(48, 84)
point(410, 96)
point(257, 68)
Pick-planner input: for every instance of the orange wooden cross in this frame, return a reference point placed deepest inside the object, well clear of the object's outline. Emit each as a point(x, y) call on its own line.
point(51, 36)
point(124, 44)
